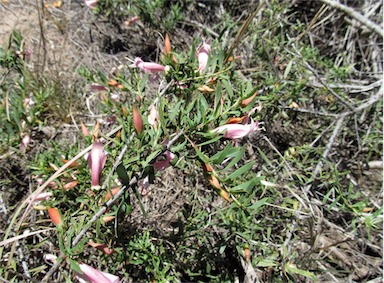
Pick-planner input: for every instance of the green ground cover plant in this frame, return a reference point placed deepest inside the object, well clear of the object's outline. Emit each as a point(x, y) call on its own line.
point(243, 147)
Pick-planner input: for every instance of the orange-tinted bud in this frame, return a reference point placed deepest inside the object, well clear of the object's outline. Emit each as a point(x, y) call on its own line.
point(137, 120)
point(96, 130)
point(71, 185)
point(207, 167)
point(108, 218)
point(214, 182)
point(113, 82)
point(247, 253)
point(84, 129)
point(74, 164)
point(167, 45)
point(230, 59)
point(235, 120)
point(55, 216)
point(224, 194)
point(102, 247)
point(104, 97)
point(118, 135)
point(248, 100)
point(205, 89)
point(212, 80)
point(112, 193)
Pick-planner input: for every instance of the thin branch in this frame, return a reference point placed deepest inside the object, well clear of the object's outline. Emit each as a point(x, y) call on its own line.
point(208, 29)
point(242, 30)
point(10, 240)
point(329, 146)
point(372, 100)
point(355, 15)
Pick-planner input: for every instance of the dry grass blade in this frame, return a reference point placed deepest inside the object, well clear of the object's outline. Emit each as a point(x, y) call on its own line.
point(355, 15)
point(242, 30)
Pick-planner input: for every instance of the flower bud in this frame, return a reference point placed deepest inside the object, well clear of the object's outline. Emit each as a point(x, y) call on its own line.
point(137, 120)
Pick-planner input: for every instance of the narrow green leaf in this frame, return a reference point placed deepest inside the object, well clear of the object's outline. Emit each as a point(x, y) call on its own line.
point(220, 156)
point(174, 111)
point(258, 204)
point(123, 175)
point(190, 106)
point(133, 159)
point(213, 63)
point(79, 247)
point(218, 96)
point(241, 170)
point(288, 69)
point(151, 157)
point(244, 187)
point(215, 139)
point(266, 263)
point(238, 155)
point(74, 265)
point(228, 88)
point(201, 155)
point(291, 269)
point(265, 158)
point(248, 88)
point(179, 146)
point(102, 77)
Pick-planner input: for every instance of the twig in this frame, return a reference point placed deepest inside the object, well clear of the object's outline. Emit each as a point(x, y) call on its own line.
point(341, 99)
point(10, 240)
point(40, 10)
point(372, 100)
point(317, 113)
point(355, 15)
point(352, 88)
point(242, 30)
point(321, 134)
point(209, 30)
point(329, 146)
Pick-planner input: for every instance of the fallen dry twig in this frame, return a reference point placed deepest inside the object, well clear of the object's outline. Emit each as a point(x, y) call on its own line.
point(357, 16)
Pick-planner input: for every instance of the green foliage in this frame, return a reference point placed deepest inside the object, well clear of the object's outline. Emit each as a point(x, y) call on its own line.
point(151, 257)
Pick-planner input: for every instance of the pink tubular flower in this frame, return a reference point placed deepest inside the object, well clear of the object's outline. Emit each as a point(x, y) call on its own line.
point(96, 160)
point(25, 142)
point(97, 87)
point(237, 131)
point(161, 165)
point(149, 67)
point(43, 196)
point(92, 275)
point(202, 56)
point(91, 3)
